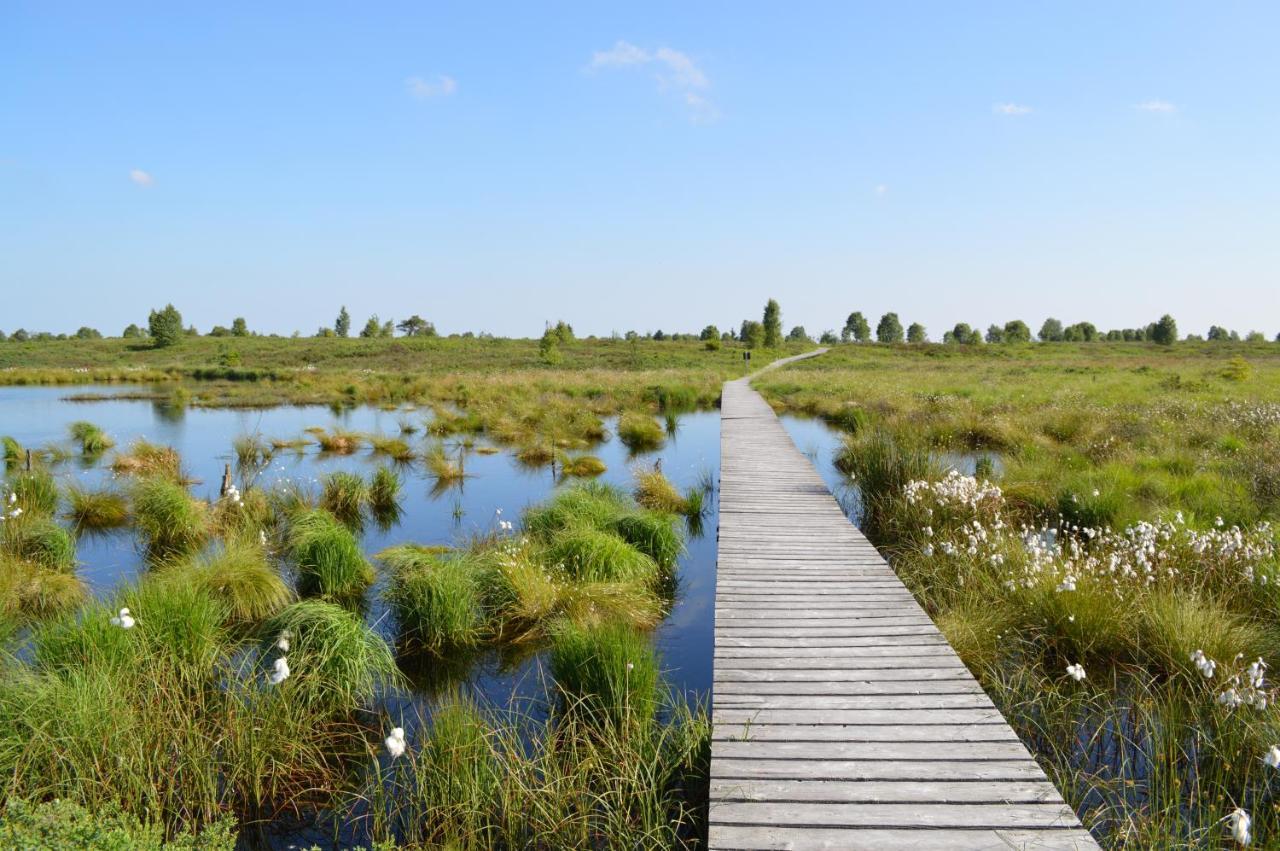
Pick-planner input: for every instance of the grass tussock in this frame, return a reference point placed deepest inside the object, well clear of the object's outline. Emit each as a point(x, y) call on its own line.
point(338, 441)
point(395, 448)
point(435, 597)
point(40, 541)
point(170, 521)
point(582, 466)
point(94, 442)
point(106, 508)
point(654, 491)
point(610, 672)
point(640, 432)
point(150, 460)
point(241, 577)
point(344, 495)
point(329, 561)
point(34, 492)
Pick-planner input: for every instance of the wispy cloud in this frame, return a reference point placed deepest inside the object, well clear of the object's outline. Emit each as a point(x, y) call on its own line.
point(1011, 109)
point(881, 190)
point(141, 177)
point(673, 70)
point(439, 86)
point(1156, 105)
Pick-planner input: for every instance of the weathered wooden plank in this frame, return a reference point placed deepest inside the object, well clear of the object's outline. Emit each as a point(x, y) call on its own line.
point(841, 717)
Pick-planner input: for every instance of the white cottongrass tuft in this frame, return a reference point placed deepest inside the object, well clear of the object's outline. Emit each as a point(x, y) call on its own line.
point(395, 742)
point(1076, 672)
point(279, 671)
point(1240, 824)
point(124, 620)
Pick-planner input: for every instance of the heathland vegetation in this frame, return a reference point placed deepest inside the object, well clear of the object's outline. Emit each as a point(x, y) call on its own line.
point(1105, 558)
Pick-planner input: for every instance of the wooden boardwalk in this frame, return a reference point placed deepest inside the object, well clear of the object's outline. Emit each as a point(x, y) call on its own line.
point(843, 719)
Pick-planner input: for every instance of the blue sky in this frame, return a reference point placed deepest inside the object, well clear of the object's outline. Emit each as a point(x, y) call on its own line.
point(641, 165)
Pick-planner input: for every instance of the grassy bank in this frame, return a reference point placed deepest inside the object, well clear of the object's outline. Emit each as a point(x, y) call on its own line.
point(1110, 571)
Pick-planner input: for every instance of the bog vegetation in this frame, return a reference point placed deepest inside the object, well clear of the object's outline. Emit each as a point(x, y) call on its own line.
point(1108, 570)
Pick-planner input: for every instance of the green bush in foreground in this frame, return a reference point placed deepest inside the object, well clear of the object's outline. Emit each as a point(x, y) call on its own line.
point(66, 826)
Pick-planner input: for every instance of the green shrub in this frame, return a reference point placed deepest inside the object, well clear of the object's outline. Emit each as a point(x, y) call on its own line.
point(61, 825)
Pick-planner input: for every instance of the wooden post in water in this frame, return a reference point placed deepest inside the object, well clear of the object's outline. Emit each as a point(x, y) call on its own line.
point(226, 480)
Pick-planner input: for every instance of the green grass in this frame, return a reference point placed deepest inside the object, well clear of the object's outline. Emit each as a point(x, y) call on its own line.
point(435, 597)
point(240, 576)
point(145, 459)
point(336, 660)
point(40, 541)
point(170, 521)
point(93, 441)
point(640, 432)
point(610, 672)
point(328, 557)
point(344, 495)
point(593, 555)
point(582, 466)
point(31, 591)
point(36, 491)
point(1088, 444)
point(106, 508)
point(384, 492)
point(395, 448)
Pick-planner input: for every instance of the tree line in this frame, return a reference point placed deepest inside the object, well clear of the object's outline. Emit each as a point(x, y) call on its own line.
point(165, 328)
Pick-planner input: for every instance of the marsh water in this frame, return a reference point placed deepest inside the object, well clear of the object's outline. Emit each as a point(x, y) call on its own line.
point(39, 416)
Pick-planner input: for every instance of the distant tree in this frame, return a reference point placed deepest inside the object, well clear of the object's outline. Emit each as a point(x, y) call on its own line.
point(549, 346)
point(165, 326)
point(890, 329)
point(1218, 334)
point(20, 336)
point(1255, 337)
point(631, 335)
point(1080, 332)
point(416, 326)
point(728, 337)
point(564, 332)
point(961, 333)
point(829, 338)
point(342, 325)
point(1050, 331)
point(916, 333)
point(372, 328)
point(3, 336)
point(659, 336)
point(388, 329)
point(239, 328)
point(132, 332)
point(772, 323)
point(87, 333)
point(325, 331)
point(711, 332)
point(1164, 332)
point(752, 333)
point(798, 335)
point(224, 331)
point(995, 334)
point(1017, 331)
point(856, 327)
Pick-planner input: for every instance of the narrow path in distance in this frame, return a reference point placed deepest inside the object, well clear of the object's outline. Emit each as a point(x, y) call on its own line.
point(842, 718)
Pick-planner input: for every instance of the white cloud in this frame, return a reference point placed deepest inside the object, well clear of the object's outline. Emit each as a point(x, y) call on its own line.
point(1011, 109)
point(673, 70)
point(620, 55)
point(141, 177)
point(439, 86)
point(1157, 105)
